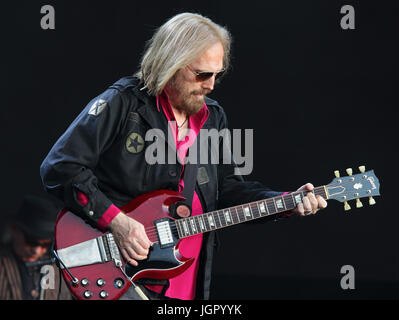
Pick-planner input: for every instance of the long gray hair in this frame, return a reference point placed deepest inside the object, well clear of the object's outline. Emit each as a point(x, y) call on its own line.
point(176, 44)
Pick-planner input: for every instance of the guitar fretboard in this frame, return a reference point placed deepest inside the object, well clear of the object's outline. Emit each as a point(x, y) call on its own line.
point(218, 219)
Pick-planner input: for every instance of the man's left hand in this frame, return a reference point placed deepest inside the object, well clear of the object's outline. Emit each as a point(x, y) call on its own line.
point(310, 203)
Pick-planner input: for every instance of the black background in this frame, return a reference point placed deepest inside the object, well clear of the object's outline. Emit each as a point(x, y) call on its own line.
point(318, 97)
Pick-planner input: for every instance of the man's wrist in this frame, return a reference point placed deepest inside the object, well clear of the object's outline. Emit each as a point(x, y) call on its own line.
point(107, 217)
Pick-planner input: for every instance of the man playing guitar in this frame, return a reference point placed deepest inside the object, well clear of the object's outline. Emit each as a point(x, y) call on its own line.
point(99, 164)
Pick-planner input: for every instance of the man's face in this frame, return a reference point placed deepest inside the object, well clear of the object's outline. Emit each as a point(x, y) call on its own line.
point(27, 248)
point(186, 93)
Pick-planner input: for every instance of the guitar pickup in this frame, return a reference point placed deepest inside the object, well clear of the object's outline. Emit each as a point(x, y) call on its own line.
point(164, 232)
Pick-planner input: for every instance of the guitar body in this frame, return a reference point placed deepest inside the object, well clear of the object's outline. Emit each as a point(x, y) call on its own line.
point(105, 280)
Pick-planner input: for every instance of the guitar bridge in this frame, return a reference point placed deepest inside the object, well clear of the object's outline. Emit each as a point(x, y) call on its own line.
point(113, 250)
point(164, 231)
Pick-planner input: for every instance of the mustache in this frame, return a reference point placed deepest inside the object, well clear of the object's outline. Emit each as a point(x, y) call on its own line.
point(202, 92)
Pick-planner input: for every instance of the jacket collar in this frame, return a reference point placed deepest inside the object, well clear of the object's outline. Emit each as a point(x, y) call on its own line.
point(148, 111)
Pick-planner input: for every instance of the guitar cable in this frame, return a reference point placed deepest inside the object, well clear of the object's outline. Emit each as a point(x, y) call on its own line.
point(136, 288)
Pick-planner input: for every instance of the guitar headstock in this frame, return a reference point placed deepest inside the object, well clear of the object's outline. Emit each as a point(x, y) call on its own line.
point(361, 185)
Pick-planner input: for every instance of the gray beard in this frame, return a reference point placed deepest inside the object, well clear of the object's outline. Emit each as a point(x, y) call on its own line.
point(186, 103)
point(190, 108)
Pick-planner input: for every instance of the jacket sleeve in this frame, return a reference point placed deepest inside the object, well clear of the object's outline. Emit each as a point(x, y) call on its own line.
point(233, 189)
point(67, 171)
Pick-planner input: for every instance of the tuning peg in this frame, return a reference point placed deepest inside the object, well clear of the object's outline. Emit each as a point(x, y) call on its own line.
point(359, 204)
point(347, 206)
point(371, 201)
point(362, 169)
point(336, 173)
point(349, 171)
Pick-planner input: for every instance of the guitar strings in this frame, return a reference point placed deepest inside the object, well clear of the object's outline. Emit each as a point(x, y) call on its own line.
point(153, 230)
point(241, 217)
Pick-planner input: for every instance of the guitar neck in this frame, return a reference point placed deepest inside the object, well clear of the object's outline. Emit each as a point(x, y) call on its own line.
point(218, 219)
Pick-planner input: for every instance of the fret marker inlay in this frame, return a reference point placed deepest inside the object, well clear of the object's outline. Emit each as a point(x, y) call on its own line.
point(202, 226)
point(193, 225)
point(247, 212)
point(298, 198)
point(227, 215)
point(211, 221)
point(185, 227)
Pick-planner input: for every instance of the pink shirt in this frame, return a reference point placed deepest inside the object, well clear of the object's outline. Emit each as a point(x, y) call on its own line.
point(183, 286)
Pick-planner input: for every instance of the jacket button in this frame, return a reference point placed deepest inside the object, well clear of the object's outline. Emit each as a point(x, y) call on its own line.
point(91, 213)
point(172, 173)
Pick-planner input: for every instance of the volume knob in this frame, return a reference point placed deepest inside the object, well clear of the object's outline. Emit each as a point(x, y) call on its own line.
point(84, 282)
point(100, 282)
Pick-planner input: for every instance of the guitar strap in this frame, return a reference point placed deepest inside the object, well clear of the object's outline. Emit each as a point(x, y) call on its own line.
point(189, 179)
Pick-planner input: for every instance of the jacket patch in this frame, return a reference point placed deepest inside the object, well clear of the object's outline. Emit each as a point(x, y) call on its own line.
point(134, 143)
point(97, 107)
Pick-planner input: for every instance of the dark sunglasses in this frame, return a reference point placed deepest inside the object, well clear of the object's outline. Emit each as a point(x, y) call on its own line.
point(33, 242)
point(202, 76)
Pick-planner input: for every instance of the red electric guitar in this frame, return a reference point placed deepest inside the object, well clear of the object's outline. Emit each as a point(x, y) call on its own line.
point(93, 267)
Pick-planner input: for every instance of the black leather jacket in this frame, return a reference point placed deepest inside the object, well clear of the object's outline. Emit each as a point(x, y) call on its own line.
point(94, 156)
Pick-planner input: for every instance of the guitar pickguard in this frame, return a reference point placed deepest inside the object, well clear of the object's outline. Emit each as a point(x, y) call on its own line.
point(159, 259)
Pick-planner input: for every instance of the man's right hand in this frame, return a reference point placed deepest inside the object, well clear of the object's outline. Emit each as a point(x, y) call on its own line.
point(130, 237)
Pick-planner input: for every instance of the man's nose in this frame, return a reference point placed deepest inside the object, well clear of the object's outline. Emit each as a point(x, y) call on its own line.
point(38, 250)
point(209, 83)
